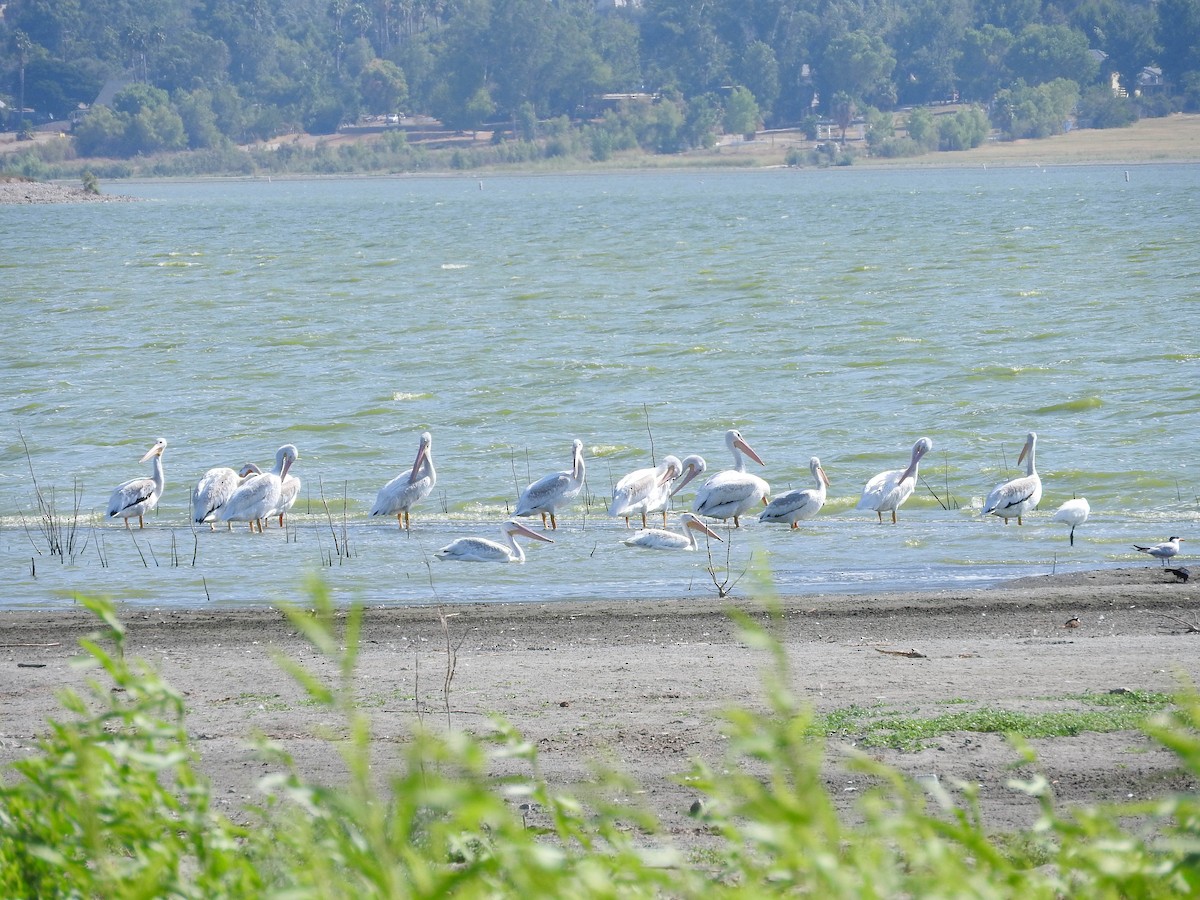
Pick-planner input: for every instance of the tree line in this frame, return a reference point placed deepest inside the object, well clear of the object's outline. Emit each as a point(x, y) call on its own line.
point(664, 75)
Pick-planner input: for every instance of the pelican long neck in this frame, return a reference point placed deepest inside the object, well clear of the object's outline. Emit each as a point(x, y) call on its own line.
point(739, 461)
point(911, 471)
point(280, 465)
point(577, 466)
point(517, 553)
point(160, 479)
point(1029, 469)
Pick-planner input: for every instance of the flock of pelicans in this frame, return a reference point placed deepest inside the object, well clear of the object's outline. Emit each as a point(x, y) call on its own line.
point(254, 496)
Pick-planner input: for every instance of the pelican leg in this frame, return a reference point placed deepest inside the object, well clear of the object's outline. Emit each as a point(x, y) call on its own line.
point(400, 519)
point(627, 521)
point(795, 525)
point(644, 520)
point(664, 515)
point(407, 521)
point(543, 520)
point(1019, 522)
point(893, 517)
point(281, 520)
point(736, 523)
point(141, 524)
point(554, 524)
point(1072, 535)
point(880, 515)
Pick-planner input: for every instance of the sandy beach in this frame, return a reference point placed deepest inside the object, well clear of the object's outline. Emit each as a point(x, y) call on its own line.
point(641, 685)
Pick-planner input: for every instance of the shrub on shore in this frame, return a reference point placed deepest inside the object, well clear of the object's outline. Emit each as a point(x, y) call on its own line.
point(113, 805)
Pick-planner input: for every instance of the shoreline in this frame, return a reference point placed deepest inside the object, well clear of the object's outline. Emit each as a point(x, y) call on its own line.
point(642, 685)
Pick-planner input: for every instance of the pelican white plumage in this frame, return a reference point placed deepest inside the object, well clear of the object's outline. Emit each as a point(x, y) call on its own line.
point(214, 489)
point(1074, 512)
point(406, 490)
point(477, 549)
point(732, 493)
point(552, 491)
point(261, 495)
point(796, 506)
point(138, 496)
point(889, 490)
point(1013, 499)
point(289, 492)
point(660, 539)
point(645, 491)
point(1163, 551)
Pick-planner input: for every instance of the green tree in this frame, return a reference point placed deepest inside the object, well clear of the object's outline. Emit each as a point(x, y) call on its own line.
point(921, 128)
point(1038, 111)
point(928, 42)
point(741, 115)
point(859, 65)
point(759, 72)
point(842, 108)
point(1179, 37)
point(983, 68)
point(382, 87)
point(966, 129)
point(1042, 53)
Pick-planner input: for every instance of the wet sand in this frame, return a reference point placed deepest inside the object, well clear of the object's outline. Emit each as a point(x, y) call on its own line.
point(641, 684)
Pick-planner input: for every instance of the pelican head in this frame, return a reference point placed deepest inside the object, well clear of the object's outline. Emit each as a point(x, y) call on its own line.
point(512, 528)
point(814, 466)
point(1027, 450)
point(693, 467)
point(694, 523)
point(157, 450)
point(422, 454)
point(735, 442)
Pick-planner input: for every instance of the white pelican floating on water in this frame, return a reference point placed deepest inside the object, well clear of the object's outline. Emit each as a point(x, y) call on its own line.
point(734, 492)
point(796, 506)
point(1163, 551)
point(658, 539)
point(1074, 513)
point(547, 494)
point(645, 491)
point(406, 490)
point(261, 495)
point(476, 549)
point(138, 496)
point(214, 489)
point(1015, 498)
point(889, 490)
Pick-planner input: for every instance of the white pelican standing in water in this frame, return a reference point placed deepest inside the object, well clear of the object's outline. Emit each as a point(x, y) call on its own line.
point(1074, 513)
point(796, 506)
point(476, 549)
point(138, 496)
point(289, 492)
point(645, 491)
point(214, 489)
point(406, 490)
point(261, 495)
point(734, 492)
point(659, 539)
point(889, 490)
point(1163, 551)
point(547, 494)
point(1015, 498)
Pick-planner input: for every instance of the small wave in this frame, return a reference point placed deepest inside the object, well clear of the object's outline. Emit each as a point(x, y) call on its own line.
point(403, 396)
point(452, 266)
point(1072, 405)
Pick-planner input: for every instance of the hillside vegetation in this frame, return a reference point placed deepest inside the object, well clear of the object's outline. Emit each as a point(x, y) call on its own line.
point(576, 80)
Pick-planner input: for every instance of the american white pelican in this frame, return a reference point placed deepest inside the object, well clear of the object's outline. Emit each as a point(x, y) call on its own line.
point(659, 539)
point(889, 490)
point(1163, 551)
point(734, 492)
point(261, 495)
point(476, 549)
point(1074, 513)
point(796, 506)
point(645, 490)
point(289, 492)
point(1015, 498)
point(138, 496)
point(406, 490)
point(547, 494)
point(214, 489)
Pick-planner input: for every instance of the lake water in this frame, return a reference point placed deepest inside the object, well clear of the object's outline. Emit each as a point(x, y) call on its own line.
point(838, 313)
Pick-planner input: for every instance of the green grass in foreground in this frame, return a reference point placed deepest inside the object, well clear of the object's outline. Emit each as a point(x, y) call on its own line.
point(878, 726)
point(113, 806)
